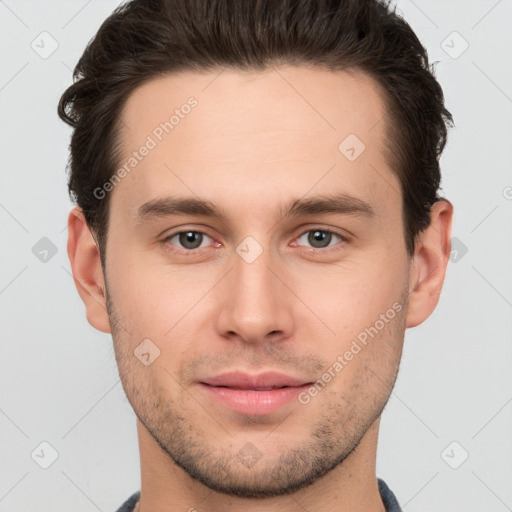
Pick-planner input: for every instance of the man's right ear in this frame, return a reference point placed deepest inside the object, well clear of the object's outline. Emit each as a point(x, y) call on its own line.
point(84, 257)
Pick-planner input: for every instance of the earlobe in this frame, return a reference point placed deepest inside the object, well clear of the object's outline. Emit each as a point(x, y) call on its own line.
point(429, 264)
point(85, 262)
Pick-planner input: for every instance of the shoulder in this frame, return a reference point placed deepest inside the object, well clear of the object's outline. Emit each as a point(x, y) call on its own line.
point(128, 505)
point(388, 498)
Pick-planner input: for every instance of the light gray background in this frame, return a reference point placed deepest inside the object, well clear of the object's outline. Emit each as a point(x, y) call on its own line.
point(58, 376)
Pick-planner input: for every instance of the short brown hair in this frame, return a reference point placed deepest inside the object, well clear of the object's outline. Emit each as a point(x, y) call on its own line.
point(144, 39)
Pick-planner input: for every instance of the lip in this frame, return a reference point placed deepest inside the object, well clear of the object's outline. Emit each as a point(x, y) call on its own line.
point(250, 394)
point(247, 381)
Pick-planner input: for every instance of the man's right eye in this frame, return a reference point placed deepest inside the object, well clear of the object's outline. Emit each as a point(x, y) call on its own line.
point(189, 240)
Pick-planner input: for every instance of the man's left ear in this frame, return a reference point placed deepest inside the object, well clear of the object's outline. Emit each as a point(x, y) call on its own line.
point(428, 267)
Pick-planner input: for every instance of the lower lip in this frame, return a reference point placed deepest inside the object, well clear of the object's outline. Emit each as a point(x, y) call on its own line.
point(253, 402)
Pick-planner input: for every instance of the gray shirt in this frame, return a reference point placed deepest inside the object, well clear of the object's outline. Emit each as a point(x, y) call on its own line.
point(388, 498)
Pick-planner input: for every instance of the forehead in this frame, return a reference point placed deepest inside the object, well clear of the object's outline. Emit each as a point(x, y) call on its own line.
point(267, 134)
point(292, 98)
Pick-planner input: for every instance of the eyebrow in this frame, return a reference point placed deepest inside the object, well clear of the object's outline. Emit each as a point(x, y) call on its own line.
point(324, 204)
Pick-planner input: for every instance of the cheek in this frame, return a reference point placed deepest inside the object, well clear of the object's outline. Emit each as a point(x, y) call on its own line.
point(155, 300)
point(364, 357)
point(137, 303)
point(352, 296)
point(365, 308)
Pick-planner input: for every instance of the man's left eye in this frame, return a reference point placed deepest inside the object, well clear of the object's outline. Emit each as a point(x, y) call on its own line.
point(320, 238)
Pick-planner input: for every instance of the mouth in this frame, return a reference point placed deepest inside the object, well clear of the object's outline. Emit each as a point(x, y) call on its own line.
point(252, 389)
point(261, 394)
point(262, 381)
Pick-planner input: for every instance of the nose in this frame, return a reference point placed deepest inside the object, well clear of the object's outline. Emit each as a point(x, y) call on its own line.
point(256, 302)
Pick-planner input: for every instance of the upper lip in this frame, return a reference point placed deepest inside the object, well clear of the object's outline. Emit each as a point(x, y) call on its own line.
point(247, 381)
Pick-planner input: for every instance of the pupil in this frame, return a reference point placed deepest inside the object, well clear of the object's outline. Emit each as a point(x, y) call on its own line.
point(320, 236)
point(189, 237)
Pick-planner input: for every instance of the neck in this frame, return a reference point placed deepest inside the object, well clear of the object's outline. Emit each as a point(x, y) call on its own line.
point(350, 487)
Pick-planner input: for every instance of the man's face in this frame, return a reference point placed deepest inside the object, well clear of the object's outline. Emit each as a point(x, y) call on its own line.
point(258, 290)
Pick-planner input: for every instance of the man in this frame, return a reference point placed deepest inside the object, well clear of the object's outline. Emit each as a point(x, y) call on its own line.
point(257, 225)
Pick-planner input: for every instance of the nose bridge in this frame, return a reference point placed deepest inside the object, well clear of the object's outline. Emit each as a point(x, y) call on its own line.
point(254, 285)
point(257, 302)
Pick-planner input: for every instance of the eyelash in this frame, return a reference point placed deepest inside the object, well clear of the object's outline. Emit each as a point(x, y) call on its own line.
point(191, 252)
